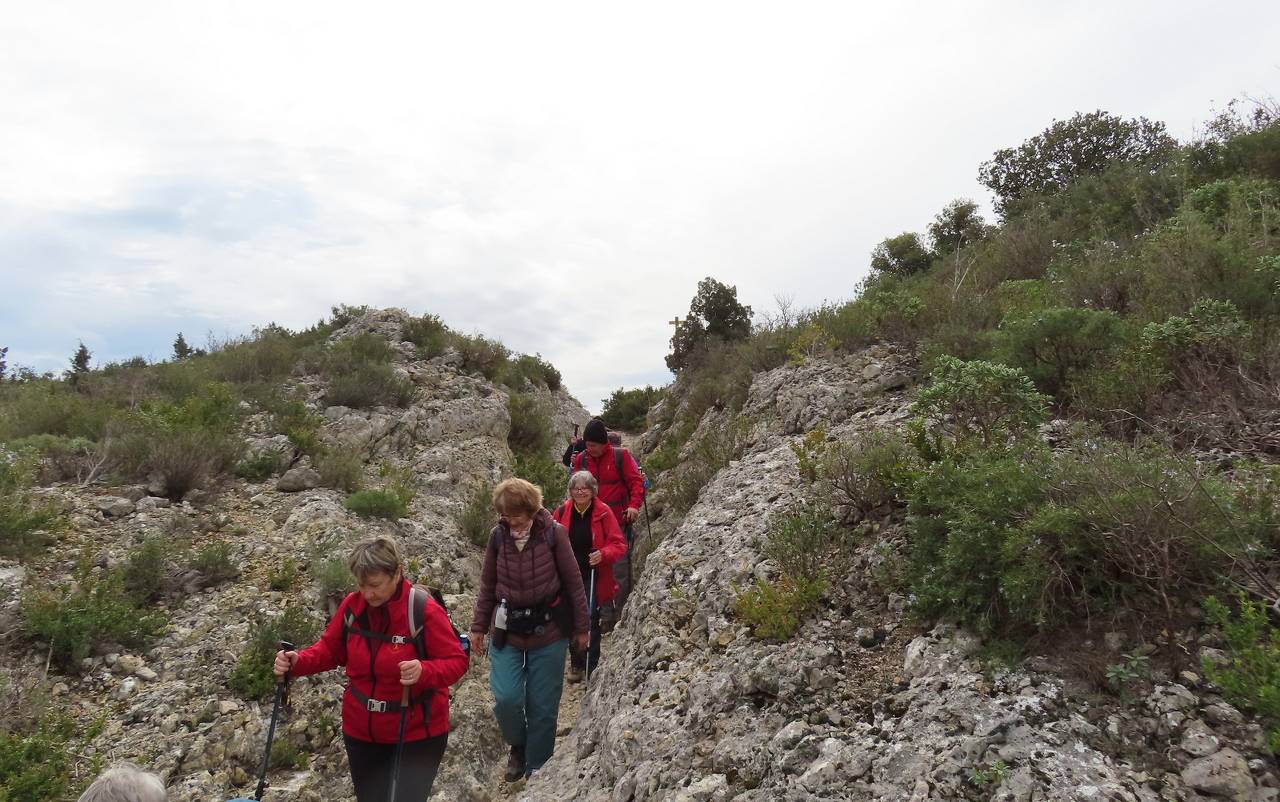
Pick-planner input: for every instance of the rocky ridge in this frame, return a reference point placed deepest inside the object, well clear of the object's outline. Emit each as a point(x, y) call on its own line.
point(688, 706)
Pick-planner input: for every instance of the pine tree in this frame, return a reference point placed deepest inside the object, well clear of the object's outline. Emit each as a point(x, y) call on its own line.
point(79, 362)
point(4, 351)
point(180, 348)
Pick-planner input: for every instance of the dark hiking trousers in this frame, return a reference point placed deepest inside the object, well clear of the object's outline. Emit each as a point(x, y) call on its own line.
point(578, 659)
point(371, 766)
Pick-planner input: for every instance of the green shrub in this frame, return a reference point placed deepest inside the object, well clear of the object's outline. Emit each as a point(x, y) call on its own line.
point(429, 333)
point(145, 569)
point(774, 609)
point(43, 407)
point(975, 404)
point(295, 420)
point(530, 369)
point(97, 610)
point(332, 576)
point(36, 760)
point(531, 432)
point(341, 467)
point(1252, 679)
point(285, 576)
point(476, 517)
point(252, 677)
point(1202, 350)
point(64, 457)
point(214, 564)
point(482, 355)
point(25, 525)
point(872, 475)
point(1053, 345)
point(802, 543)
point(369, 385)
point(626, 409)
point(377, 504)
point(260, 466)
point(286, 755)
point(269, 355)
point(547, 473)
point(810, 452)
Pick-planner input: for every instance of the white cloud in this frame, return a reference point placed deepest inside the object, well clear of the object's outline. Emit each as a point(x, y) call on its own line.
point(558, 175)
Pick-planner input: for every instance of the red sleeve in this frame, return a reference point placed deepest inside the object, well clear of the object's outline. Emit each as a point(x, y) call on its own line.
point(328, 652)
point(615, 545)
point(446, 662)
point(635, 482)
point(488, 580)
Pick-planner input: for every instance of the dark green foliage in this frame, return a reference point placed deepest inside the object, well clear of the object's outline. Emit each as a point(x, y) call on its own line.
point(476, 517)
point(378, 504)
point(260, 466)
point(958, 225)
point(547, 473)
point(531, 432)
point(361, 376)
point(145, 569)
point(1053, 345)
point(214, 564)
point(97, 610)
point(802, 544)
point(4, 351)
point(626, 409)
point(482, 355)
point(871, 476)
point(429, 333)
point(715, 315)
point(44, 407)
point(901, 255)
point(180, 348)
point(1252, 679)
point(976, 405)
point(529, 369)
point(36, 760)
point(268, 355)
point(252, 677)
point(25, 524)
point(1068, 149)
point(79, 362)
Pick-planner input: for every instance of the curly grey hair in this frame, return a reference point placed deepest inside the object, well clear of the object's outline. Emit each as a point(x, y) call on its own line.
point(125, 783)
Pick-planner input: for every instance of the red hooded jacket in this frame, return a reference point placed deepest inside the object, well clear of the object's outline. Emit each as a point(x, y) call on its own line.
point(376, 673)
point(606, 538)
point(619, 492)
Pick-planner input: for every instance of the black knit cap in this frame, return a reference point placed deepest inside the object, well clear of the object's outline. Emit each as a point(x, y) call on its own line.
point(596, 432)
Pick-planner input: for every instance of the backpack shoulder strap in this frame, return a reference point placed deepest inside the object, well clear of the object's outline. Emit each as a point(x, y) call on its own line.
point(417, 619)
point(618, 455)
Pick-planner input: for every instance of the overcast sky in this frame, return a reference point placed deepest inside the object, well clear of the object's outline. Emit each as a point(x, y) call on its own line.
point(556, 175)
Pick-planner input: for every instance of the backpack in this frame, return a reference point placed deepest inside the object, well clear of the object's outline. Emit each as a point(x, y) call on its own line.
point(417, 628)
point(581, 458)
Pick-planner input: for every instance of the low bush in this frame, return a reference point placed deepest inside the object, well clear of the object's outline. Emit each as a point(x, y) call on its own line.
point(369, 385)
point(476, 517)
point(341, 467)
point(145, 570)
point(1054, 345)
point(810, 452)
point(482, 355)
point(95, 611)
point(1251, 680)
point(547, 473)
point(531, 432)
point(65, 457)
point(626, 409)
point(774, 609)
point(529, 369)
point(252, 677)
point(802, 543)
point(377, 504)
point(26, 525)
point(260, 466)
point(36, 760)
point(871, 476)
point(48, 407)
point(214, 564)
point(285, 576)
point(429, 333)
point(975, 404)
point(269, 355)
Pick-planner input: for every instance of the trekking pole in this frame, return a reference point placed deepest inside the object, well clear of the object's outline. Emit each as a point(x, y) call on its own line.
point(395, 767)
point(591, 621)
point(282, 693)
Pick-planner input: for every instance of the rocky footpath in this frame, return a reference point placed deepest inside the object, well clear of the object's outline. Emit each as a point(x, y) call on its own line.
point(688, 706)
point(169, 709)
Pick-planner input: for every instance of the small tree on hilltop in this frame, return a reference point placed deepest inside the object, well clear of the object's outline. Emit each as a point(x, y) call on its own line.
point(713, 313)
point(1068, 149)
point(180, 348)
point(957, 225)
point(3, 365)
point(79, 363)
point(901, 255)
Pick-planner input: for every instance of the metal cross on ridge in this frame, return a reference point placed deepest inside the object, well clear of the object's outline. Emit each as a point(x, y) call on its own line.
point(675, 322)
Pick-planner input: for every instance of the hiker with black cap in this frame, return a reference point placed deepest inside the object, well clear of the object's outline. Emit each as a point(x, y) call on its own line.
point(621, 488)
point(531, 599)
point(395, 711)
point(598, 544)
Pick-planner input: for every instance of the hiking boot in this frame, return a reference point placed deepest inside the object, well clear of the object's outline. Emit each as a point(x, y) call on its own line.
point(575, 674)
point(515, 764)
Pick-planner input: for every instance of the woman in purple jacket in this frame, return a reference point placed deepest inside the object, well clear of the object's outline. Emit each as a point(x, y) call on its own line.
point(531, 599)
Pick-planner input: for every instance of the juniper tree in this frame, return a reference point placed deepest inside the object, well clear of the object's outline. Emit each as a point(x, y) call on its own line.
point(79, 363)
point(180, 348)
point(3, 352)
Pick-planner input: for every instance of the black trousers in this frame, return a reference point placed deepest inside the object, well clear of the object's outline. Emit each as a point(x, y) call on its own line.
point(371, 766)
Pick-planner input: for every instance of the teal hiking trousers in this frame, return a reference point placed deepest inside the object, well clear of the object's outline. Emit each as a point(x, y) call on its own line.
point(526, 697)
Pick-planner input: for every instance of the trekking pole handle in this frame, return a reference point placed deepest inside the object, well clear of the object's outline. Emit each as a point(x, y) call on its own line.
point(286, 646)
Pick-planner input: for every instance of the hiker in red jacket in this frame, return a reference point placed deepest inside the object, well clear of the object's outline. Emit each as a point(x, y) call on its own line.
point(598, 544)
point(621, 487)
point(377, 647)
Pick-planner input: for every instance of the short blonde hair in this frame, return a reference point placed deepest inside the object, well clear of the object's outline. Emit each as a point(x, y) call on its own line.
point(516, 496)
point(380, 554)
point(125, 783)
point(585, 478)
